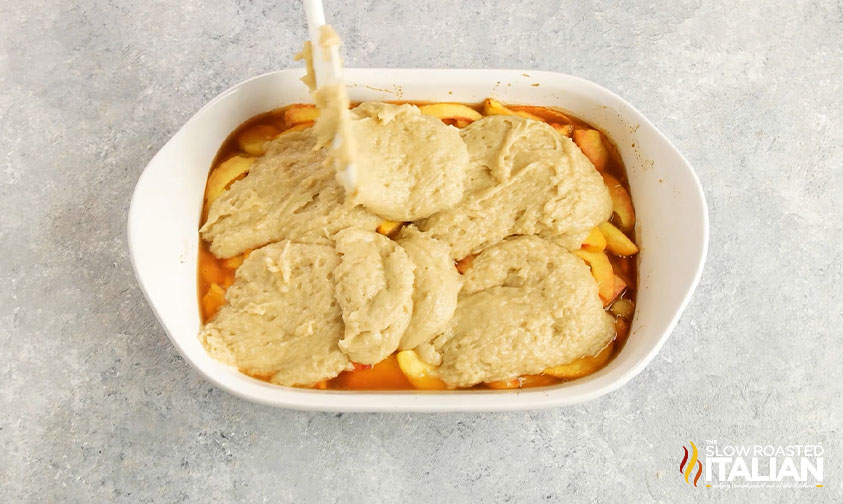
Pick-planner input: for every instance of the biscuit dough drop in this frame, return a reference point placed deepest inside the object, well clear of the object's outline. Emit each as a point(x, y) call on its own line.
point(436, 286)
point(523, 179)
point(289, 193)
point(375, 291)
point(409, 166)
point(282, 321)
point(527, 304)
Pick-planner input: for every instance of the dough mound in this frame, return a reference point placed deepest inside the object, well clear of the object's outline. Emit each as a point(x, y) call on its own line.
point(375, 291)
point(527, 304)
point(281, 321)
point(437, 284)
point(290, 193)
point(409, 166)
point(523, 179)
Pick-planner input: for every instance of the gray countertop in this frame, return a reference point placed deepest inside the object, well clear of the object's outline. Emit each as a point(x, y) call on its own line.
point(96, 406)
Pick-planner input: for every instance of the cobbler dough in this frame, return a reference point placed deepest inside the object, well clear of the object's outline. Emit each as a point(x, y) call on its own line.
point(523, 179)
point(282, 321)
point(329, 291)
point(527, 304)
point(409, 166)
point(437, 284)
point(290, 194)
point(375, 291)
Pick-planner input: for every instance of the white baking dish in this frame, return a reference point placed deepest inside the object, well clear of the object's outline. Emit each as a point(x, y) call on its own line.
point(671, 229)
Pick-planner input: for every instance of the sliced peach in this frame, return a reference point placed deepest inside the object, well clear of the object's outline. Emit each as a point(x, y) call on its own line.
point(494, 107)
point(619, 287)
point(595, 241)
point(453, 111)
point(622, 327)
point(225, 174)
point(544, 113)
point(320, 385)
point(421, 374)
point(253, 140)
point(583, 366)
point(213, 300)
point(617, 242)
point(209, 268)
point(389, 228)
point(512, 383)
point(623, 308)
point(591, 144)
point(235, 262)
point(297, 127)
point(621, 202)
point(462, 123)
point(601, 270)
point(563, 129)
point(385, 375)
point(299, 114)
point(465, 263)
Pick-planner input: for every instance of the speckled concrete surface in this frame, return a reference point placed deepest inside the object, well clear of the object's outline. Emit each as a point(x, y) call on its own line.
point(95, 405)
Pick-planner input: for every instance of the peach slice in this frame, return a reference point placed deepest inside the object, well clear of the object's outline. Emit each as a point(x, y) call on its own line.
point(623, 308)
point(591, 144)
point(298, 127)
point(320, 385)
point(622, 327)
point(388, 227)
point(619, 287)
point(583, 366)
point(546, 114)
point(601, 270)
point(616, 241)
point(451, 111)
point(621, 202)
point(512, 383)
point(564, 129)
point(385, 375)
point(465, 263)
point(421, 374)
point(253, 140)
point(298, 114)
point(213, 300)
point(595, 241)
point(225, 174)
point(209, 269)
point(494, 107)
point(235, 262)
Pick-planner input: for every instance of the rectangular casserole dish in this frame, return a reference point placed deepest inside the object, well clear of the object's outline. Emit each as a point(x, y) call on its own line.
point(671, 228)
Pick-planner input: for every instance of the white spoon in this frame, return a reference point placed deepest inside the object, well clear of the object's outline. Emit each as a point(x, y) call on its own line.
point(327, 67)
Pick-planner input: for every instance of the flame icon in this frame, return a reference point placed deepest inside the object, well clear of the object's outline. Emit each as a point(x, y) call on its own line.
point(687, 469)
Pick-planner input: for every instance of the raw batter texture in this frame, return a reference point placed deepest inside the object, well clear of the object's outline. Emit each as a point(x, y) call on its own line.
point(409, 166)
point(290, 194)
point(510, 189)
point(375, 291)
point(527, 304)
point(523, 179)
point(282, 321)
point(437, 284)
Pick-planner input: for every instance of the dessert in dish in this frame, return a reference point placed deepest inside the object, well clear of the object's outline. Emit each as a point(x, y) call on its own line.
point(484, 246)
